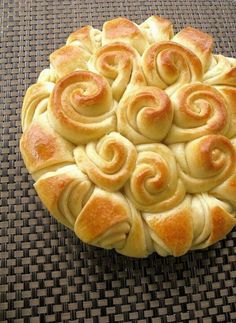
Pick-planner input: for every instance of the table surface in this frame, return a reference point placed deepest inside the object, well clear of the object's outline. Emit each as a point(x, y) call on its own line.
point(47, 274)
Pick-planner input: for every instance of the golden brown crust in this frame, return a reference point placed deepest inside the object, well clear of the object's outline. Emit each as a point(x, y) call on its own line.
point(42, 147)
point(174, 228)
point(87, 37)
point(102, 211)
point(157, 29)
point(124, 30)
point(222, 224)
point(198, 42)
point(63, 193)
point(68, 59)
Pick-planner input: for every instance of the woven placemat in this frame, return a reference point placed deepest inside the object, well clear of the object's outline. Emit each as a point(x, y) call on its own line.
point(47, 274)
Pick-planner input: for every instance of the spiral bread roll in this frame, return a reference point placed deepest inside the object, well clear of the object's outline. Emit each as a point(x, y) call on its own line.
point(130, 136)
point(145, 115)
point(199, 110)
point(154, 184)
point(169, 66)
point(109, 162)
point(81, 107)
point(205, 162)
point(119, 63)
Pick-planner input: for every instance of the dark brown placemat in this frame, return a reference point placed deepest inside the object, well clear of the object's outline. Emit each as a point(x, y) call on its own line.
point(47, 274)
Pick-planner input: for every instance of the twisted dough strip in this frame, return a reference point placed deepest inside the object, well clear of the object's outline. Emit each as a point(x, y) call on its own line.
point(35, 102)
point(169, 66)
point(144, 115)
point(204, 162)
point(154, 184)
point(199, 110)
point(81, 107)
point(120, 64)
point(109, 162)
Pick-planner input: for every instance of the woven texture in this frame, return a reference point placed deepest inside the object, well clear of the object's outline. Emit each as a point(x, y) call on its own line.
point(47, 274)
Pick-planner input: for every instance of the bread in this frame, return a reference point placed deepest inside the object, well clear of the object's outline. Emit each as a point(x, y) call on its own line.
point(130, 136)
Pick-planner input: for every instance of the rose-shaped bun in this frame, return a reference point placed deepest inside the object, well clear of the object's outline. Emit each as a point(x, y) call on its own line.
point(198, 110)
point(109, 162)
point(120, 64)
point(154, 184)
point(169, 66)
point(205, 162)
point(145, 115)
point(81, 107)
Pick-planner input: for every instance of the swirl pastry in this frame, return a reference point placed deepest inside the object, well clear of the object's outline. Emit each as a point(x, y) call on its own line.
point(109, 162)
point(145, 115)
point(205, 162)
point(169, 66)
point(119, 63)
point(130, 136)
point(154, 184)
point(199, 110)
point(81, 107)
